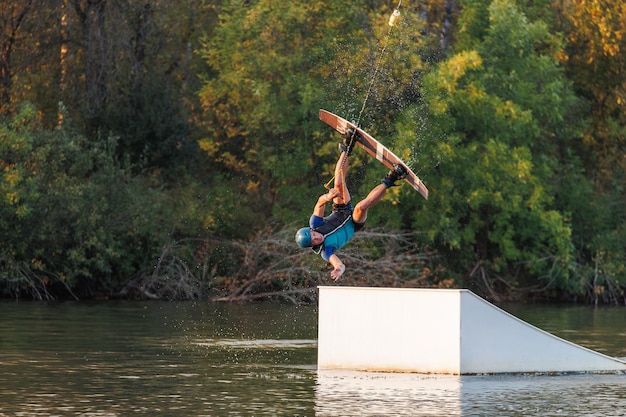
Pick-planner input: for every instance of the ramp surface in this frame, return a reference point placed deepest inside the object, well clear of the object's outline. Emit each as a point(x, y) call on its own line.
point(439, 331)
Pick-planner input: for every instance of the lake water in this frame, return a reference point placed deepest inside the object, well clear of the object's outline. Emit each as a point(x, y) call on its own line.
point(201, 359)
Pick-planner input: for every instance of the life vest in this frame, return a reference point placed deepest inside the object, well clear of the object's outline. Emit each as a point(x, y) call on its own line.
point(336, 231)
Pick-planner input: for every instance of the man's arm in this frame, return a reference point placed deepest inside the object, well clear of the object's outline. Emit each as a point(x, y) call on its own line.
point(322, 200)
point(338, 265)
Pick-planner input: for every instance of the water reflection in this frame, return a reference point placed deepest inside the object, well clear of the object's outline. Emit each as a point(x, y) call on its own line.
point(346, 393)
point(376, 394)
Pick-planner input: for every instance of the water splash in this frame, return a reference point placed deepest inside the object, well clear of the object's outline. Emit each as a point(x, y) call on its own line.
point(258, 343)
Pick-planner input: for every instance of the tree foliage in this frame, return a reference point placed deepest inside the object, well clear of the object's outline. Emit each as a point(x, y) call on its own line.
point(78, 218)
point(148, 148)
point(501, 102)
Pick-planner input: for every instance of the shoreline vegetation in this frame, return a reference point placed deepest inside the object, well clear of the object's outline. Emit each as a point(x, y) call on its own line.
point(169, 149)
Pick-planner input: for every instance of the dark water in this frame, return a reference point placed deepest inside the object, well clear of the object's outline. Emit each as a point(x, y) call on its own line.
point(196, 359)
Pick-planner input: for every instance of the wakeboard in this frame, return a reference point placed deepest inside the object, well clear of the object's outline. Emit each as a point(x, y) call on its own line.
point(374, 148)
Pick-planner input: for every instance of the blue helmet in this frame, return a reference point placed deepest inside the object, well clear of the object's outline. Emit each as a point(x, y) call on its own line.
point(303, 237)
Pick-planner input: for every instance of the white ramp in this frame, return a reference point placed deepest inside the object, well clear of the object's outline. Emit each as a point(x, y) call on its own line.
point(439, 331)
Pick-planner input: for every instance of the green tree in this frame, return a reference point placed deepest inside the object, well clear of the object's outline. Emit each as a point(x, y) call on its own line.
point(74, 220)
point(594, 61)
point(501, 103)
point(267, 66)
point(123, 67)
point(273, 65)
point(12, 16)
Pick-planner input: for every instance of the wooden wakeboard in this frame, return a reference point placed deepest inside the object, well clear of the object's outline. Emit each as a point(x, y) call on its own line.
point(374, 148)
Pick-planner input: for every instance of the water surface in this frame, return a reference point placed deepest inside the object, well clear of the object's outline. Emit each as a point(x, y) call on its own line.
point(201, 359)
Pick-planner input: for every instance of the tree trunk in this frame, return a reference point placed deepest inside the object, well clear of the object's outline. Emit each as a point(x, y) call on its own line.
point(92, 19)
point(12, 17)
point(446, 31)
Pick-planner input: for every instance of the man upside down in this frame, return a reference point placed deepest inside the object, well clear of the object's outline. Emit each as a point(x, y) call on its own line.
point(327, 234)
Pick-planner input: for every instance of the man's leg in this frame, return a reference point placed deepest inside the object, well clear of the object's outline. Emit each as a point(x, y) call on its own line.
point(350, 138)
point(373, 198)
point(377, 194)
point(341, 171)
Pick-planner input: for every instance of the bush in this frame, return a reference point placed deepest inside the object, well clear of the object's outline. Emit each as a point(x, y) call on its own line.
point(76, 222)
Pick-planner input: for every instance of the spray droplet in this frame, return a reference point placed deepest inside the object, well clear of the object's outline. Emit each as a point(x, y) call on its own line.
point(394, 17)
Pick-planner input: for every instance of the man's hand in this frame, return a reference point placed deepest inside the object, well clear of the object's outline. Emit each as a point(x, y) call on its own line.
point(337, 272)
point(339, 267)
point(332, 194)
point(322, 200)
